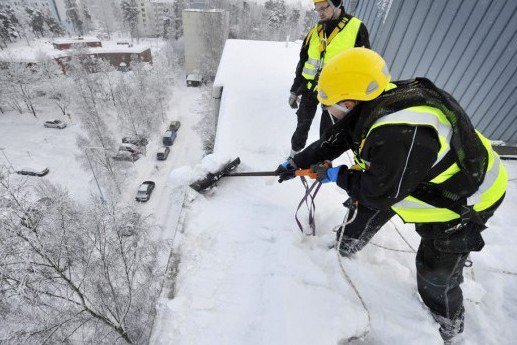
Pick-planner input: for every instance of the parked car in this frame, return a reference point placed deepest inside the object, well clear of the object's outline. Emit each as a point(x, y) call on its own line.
point(145, 190)
point(55, 124)
point(126, 156)
point(194, 80)
point(138, 140)
point(130, 148)
point(33, 171)
point(174, 126)
point(169, 137)
point(163, 153)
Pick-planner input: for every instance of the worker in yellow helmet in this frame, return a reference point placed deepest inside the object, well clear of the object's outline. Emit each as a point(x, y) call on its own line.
point(334, 32)
point(417, 156)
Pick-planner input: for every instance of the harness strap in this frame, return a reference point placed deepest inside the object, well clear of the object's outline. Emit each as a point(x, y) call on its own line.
point(432, 195)
point(310, 193)
point(324, 42)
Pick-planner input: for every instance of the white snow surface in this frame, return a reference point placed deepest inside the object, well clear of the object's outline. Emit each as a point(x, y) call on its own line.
point(248, 275)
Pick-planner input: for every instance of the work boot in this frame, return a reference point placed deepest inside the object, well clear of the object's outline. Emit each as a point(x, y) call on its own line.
point(450, 328)
point(349, 245)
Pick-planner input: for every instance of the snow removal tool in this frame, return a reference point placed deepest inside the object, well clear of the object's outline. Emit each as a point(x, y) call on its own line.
point(211, 179)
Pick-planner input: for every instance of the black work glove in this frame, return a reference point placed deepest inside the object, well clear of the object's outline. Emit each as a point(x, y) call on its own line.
point(326, 173)
point(293, 100)
point(286, 171)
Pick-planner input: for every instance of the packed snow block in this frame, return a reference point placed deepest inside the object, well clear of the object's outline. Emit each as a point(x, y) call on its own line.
point(211, 179)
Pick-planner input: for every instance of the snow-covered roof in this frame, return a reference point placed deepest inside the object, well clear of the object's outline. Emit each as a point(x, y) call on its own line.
point(76, 40)
point(248, 276)
point(114, 48)
point(41, 50)
point(143, 187)
point(252, 74)
point(37, 51)
point(194, 77)
point(203, 10)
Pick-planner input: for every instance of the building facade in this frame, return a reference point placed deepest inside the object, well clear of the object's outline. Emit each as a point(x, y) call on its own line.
point(466, 48)
point(205, 32)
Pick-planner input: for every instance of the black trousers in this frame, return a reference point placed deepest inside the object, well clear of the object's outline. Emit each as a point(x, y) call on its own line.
point(305, 114)
point(440, 257)
point(440, 260)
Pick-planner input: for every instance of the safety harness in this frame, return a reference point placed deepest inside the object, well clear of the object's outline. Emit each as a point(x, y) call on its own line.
point(324, 43)
point(467, 150)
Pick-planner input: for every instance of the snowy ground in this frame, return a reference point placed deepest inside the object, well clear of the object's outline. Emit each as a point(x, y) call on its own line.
point(248, 276)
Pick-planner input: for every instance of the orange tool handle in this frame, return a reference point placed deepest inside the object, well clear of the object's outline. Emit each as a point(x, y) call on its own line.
point(306, 172)
point(309, 172)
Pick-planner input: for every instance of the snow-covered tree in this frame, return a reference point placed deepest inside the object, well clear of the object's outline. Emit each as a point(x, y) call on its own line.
point(60, 92)
point(53, 26)
point(8, 95)
point(87, 17)
point(275, 14)
point(73, 12)
point(206, 127)
point(8, 24)
point(107, 15)
point(141, 97)
point(23, 82)
point(130, 17)
point(72, 273)
point(90, 98)
point(36, 21)
point(177, 18)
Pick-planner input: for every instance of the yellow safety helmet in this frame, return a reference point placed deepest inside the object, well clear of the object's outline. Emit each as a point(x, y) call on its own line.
point(355, 74)
point(335, 3)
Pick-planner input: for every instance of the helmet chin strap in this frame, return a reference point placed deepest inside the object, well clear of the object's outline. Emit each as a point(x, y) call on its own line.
point(334, 8)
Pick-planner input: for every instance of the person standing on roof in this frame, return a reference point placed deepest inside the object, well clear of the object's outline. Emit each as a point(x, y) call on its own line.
point(335, 31)
point(418, 156)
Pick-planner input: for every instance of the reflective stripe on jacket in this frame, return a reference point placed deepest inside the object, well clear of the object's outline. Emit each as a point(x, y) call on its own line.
point(492, 188)
point(340, 39)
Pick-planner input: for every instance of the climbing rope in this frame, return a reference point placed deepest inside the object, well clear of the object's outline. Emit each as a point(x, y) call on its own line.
point(489, 269)
point(341, 228)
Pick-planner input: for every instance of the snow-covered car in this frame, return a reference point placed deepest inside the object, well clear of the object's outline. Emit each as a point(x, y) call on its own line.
point(168, 138)
point(130, 148)
point(194, 80)
point(145, 190)
point(33, 171)
point(55, 124)
point(163, 153)
point(174, 126)
point(127, 156)
point(138, 140)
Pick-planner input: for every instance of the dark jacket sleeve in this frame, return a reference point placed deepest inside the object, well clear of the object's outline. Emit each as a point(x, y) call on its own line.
point(362, 39)
point(300, 82)
point(327, 148)
point(400, 157)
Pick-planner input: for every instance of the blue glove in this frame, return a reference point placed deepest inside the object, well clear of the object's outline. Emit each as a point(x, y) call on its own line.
point(326, 173)
point(285, 171)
